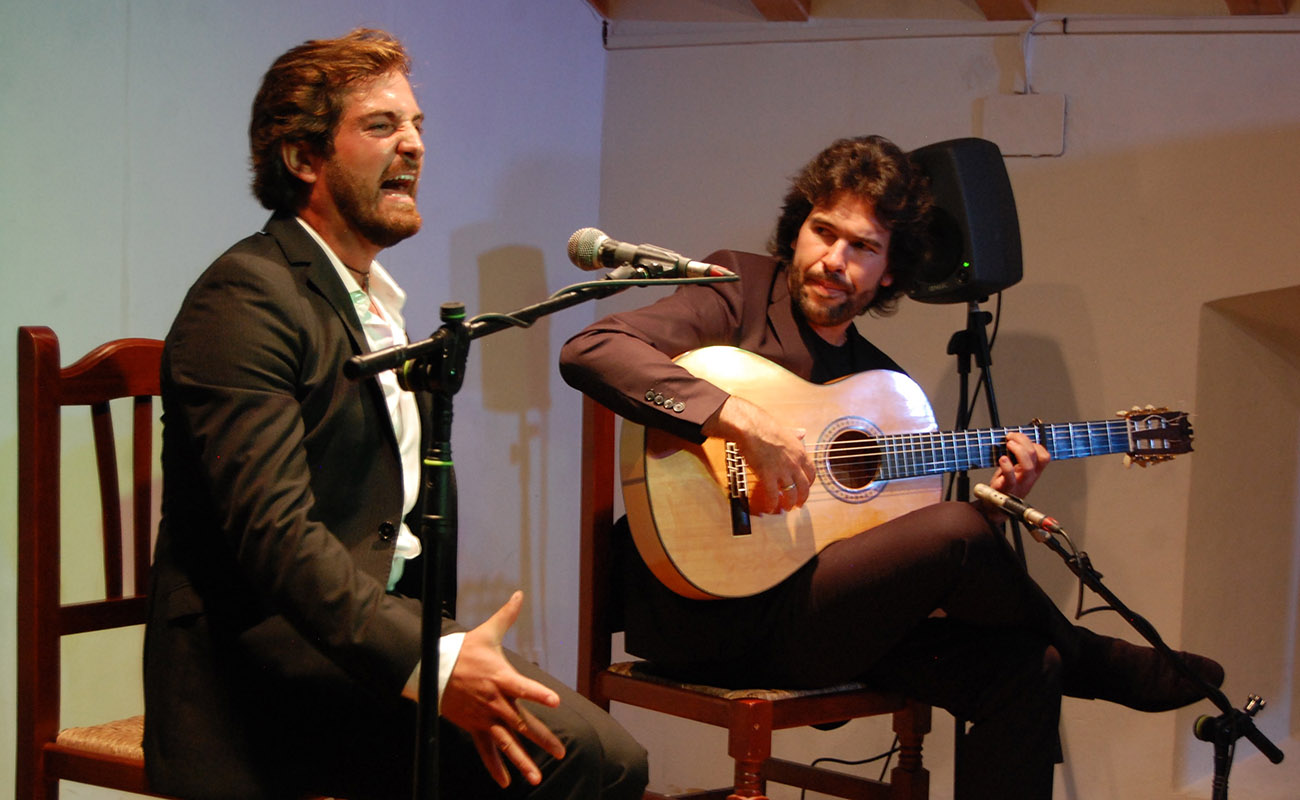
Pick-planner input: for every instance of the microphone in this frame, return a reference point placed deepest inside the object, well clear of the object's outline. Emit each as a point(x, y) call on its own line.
point(591, 249)
point(1014, 506)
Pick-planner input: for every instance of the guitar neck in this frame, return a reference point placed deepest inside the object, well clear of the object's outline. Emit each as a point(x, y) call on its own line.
point(911, 455)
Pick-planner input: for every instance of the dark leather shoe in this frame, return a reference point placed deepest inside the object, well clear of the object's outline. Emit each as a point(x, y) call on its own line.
point(1135, 676)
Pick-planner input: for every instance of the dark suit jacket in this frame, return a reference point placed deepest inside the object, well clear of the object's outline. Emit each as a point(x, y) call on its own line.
point(282, 493)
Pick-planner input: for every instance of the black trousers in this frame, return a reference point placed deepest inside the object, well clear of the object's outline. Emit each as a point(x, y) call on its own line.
point(601, 759)
point(327, 734)
point(865, 609)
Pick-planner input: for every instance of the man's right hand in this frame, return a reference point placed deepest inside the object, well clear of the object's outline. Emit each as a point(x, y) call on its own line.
point(774, 453)
point(482, 697)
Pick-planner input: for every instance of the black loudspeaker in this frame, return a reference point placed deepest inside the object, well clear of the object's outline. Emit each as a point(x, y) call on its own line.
point(974, 248)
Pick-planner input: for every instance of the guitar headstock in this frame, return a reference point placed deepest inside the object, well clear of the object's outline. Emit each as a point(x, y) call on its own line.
point(1156, 434)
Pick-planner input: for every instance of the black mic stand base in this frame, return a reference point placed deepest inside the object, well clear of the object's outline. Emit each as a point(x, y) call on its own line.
point(1223, 732)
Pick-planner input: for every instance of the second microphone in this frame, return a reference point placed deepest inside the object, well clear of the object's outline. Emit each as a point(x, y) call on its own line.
point(591, 249)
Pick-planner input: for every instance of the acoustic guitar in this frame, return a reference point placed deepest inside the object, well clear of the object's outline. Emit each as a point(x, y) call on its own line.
point(878, 454)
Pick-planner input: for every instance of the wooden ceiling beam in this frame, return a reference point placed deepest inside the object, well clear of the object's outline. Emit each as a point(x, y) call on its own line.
point(1008, 9)
point(783, 10)
point(798, 10)
point(1257, 6)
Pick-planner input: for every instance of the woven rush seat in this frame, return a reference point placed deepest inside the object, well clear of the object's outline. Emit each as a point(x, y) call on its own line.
point(646, 671)
point(123, 738)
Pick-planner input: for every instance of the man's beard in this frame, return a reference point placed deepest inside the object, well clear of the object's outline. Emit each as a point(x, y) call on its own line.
point(358, 204)
point(815, 310)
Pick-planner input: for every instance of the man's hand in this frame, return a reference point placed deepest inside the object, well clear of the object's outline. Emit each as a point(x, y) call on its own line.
point(774, 453)
point(482, 697)
point(1018, 472)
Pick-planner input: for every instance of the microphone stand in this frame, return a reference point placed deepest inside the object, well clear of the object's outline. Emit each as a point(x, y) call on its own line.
point(437, 365)
point(1224, 730)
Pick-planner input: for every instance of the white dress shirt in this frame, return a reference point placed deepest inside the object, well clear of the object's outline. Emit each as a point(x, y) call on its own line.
point(380, 312)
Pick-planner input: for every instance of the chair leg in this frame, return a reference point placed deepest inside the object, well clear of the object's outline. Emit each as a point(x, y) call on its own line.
point(749, 786)
point(910, 780)
point(750, 744)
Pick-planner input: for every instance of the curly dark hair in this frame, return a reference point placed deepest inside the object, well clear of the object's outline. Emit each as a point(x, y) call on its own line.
point(876, 170)
point(301, 100)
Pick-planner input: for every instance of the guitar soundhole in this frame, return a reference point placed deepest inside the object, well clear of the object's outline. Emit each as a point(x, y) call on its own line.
point(854, 462)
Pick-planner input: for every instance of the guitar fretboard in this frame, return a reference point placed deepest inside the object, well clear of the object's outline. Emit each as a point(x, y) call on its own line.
point(911, 455)
point(856, 460)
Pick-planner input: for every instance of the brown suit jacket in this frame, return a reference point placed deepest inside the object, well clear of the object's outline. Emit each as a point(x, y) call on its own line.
point(624, 360)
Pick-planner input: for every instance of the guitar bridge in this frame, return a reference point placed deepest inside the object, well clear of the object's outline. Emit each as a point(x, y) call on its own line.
point(737, 491)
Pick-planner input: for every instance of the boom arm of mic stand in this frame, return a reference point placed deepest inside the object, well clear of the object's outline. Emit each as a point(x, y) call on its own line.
point(1081, 567)
point(398, 356)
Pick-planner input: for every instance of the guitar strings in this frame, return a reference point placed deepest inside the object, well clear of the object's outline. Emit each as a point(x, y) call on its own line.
point(903, 447)
point(907, 445)
point(922, 441)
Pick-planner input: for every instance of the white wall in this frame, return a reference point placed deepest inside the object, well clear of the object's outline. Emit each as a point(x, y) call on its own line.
point(1177, 186)
point(123, 162)
point(123, 166)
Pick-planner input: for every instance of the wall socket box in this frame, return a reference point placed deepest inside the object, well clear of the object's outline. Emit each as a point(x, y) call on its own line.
point(1025, 124)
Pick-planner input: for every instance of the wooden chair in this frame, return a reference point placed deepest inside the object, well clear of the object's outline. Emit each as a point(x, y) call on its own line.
point(110, 754)
point(750, 715)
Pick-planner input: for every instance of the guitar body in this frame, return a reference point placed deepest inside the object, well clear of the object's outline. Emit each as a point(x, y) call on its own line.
point(878, 456)
point(679, 498)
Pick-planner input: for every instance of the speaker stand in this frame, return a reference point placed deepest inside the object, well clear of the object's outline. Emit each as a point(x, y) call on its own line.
point(971, 344)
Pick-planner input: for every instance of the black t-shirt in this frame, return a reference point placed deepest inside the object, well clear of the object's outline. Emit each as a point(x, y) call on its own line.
point(855, 355)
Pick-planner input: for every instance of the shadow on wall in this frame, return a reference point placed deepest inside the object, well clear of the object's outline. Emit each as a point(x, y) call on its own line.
point(1031, 380)
point(506, 378)
point(514, 373)
point(510, 444)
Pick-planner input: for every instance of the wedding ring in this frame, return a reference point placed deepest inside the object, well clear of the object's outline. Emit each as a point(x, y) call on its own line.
point(787, 488)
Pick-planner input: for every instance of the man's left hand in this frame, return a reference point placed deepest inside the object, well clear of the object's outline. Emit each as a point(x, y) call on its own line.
point(1018, 471)
point(483, 697)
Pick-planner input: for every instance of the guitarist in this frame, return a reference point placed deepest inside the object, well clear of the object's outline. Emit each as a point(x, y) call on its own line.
point(999, 654)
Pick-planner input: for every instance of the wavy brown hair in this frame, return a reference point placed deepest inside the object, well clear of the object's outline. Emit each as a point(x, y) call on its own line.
point(876, 170)
point(301, 100)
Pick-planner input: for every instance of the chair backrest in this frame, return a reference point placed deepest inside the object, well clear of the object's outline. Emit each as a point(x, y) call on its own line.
point(596, 597)
point(125, 368)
